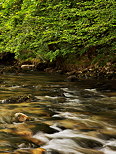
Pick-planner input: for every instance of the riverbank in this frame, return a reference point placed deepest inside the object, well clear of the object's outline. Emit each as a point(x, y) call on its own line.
point(74, 67)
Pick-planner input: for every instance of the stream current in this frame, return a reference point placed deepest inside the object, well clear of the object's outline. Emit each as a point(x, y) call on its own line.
point(70, 118)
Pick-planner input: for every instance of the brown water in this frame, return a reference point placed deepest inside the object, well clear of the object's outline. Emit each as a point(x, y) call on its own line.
point(71, 118)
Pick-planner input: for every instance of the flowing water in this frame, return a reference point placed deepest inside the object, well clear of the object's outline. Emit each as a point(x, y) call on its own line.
point(70, 118)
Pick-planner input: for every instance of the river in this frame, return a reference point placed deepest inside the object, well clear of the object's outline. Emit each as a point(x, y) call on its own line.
point(69, 117)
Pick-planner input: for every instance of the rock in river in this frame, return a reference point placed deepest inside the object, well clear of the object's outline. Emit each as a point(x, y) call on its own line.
point(17, 99)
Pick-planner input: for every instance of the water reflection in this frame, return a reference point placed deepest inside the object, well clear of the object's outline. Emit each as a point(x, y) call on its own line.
point(68, 118)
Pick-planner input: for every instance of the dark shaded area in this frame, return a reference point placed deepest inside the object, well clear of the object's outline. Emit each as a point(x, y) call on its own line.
point(106, 85)
point(41, 66)
point(7, 58)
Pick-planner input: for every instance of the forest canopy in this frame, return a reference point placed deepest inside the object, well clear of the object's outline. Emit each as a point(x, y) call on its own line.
point(48, 29)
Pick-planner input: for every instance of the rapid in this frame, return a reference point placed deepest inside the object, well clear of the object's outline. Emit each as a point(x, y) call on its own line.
point(68, 117)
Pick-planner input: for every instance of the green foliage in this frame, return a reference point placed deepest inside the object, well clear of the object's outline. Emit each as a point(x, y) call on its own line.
point(53, 28)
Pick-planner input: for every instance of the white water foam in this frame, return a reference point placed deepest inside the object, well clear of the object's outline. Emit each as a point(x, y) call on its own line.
point(66, 146)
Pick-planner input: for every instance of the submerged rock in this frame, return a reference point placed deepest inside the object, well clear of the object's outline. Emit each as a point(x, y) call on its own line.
point(108, 133)
point(38, 151)
point(89, 151)
point(23, 131)
point(88, 143)
point(30, 151)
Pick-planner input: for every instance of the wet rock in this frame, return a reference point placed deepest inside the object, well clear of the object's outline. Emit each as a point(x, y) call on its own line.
point(29, 151)
point(89, 151)
point(71, 73)
point(35, 141)
point(18, 99)
point(88, 143)
point(38, 151)
point(108, 133)
point(52, 151)
point(20, 117)
point(112, 147)
point(72, 78)
point(106, 86)
point(111, 94)
point(10, 69)
point(23, 133)
point(1, 81)
point(49, 70)
point(21, 151)
point(22, 130)
point(60, 72)
point(43, 126)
